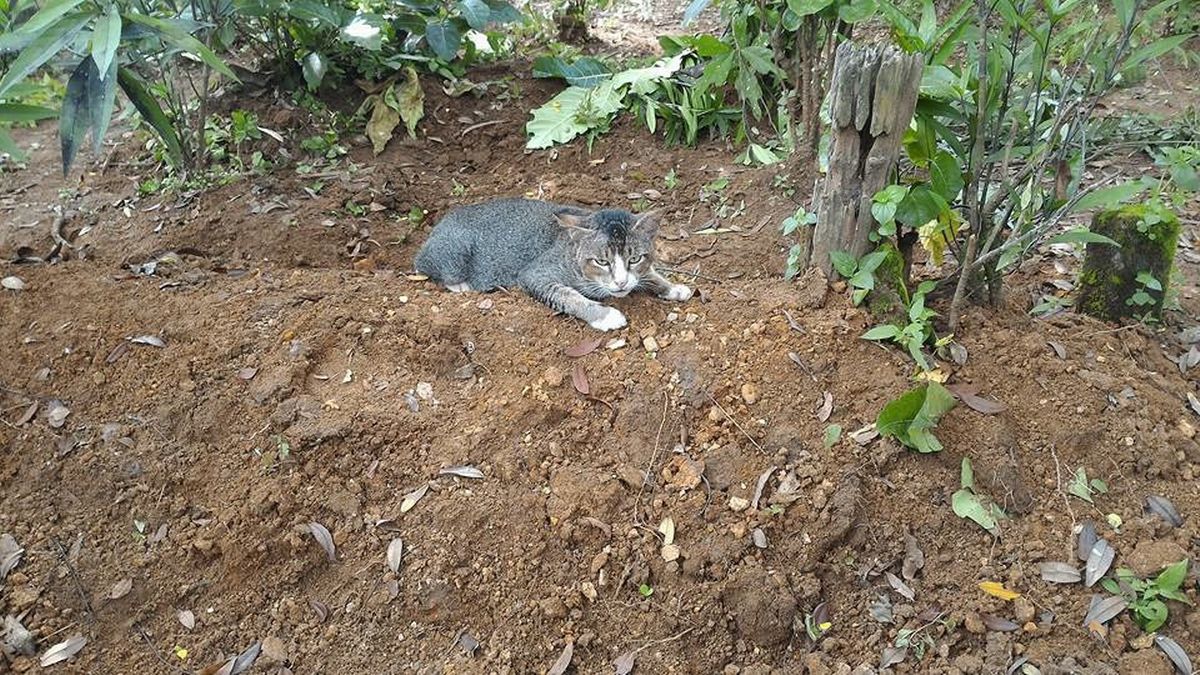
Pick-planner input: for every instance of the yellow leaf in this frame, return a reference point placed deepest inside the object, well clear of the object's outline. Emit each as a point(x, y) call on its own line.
point(825, 626)
point(181, 653)
point(936, 375)
point(997, 589)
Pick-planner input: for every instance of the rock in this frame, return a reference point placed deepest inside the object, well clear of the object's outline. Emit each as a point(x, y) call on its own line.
point(968, 663)
point(1150, 556)
point(738, 503)
point(814, 665)
point(650, 344)
point(553, 377)
point(670, 552)
point(974, 624)
point(274, 652)
point(553, 608)
point(749, 393)
point(762, 606)
point(1145, 662)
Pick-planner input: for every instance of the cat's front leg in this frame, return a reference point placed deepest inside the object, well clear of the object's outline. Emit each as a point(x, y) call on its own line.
point(663, 288)
point(563, 298)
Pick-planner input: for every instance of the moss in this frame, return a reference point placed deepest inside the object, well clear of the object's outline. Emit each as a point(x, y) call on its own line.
point(886, 301)
point(1148, 235)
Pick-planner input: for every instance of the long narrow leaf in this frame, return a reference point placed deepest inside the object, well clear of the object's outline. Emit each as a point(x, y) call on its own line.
point(42, 48)
point(104, 97)
point(8, 146)
point(50, 13)
point(151, 111)
point(105, 38)
point(20, 112)
point(1155, 49)
point(175, 34)
point(75, 118)
point(1110, 196)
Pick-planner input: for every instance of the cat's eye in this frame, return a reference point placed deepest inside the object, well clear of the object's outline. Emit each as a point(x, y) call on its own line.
point(637, 259)
point(599, 263)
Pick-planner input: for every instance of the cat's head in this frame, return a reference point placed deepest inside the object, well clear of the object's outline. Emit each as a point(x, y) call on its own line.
point(613, 248)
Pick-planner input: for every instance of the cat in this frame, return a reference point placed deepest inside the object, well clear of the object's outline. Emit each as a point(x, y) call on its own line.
point(566, 257)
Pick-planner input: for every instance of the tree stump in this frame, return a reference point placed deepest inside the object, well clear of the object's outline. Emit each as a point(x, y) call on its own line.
point(873, 93)
point(1129, 281)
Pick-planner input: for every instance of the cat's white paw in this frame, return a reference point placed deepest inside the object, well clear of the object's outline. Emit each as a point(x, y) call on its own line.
point(463, 287)
point(611, 319)
point(678, 292)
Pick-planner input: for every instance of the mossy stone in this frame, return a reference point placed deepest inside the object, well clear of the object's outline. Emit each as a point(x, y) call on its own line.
point(1108, 282)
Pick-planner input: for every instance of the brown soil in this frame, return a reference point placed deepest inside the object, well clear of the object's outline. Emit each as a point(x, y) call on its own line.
point(277, 329)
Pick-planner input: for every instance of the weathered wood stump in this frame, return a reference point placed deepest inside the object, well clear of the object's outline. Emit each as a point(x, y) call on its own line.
point(873, 94)
point(1129, 281)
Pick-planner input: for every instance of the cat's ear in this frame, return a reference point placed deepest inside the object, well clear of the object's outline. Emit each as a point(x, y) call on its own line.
point(648, 222)
point(573, 223)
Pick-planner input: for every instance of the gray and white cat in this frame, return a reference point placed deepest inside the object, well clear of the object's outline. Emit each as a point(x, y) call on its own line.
point(567, 257)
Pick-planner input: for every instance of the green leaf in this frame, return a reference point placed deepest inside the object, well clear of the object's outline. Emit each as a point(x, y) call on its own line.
point(760, 59)
point(945, 176)
point(41, 49)
point(843, 262)
point(1079, 486)
point(410, 100)
point(584, 72)
point(443, 37)
point(833, 433)
point(910, 417)
point(135, 90)
point(1109, 197)
point(50, 13)
point(173, 32)
point(1147, 279)
point(314, 67)
point(1082, 236)
point(967, 504)
point(806, 7)
point(105, 38)
point(76, 116)
point(1153, 614)
point(966, 475)
point(856, 10)
point(557, 121)
point(476, 12)
point(1173, 577)
point(884, 332)
point(7, 145)
point(20, 112)
point(314, 11)
point(102, 106)
point(928, 22)
point(1154, 50)
point(920, 206)
point(503, 12)
point(364, 30)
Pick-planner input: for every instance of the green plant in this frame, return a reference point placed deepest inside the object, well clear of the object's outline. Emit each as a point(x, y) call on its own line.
point(911, 418)
point(918, 330)
point(671, 179)
point(860, 274)
point(1083, 488)
point(833, 434)
point(973, 506)
point(645, 590)
point(123, 43)
point(1144, 596)
point(801, 218)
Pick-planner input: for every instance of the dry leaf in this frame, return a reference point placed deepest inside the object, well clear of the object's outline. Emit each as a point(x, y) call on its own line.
point(395, 551)
point(1194, 403)
point(968, 394)
point(247, 373)
point(28, 415)
point(1060, 573)
point(321, 534)
point(320, 609)
point(759, 538)
point(997, 589)
point(758, 487)
point(1175, 653)
point(410, 500)
point(461, 471)
point(564, 660)
point(246, 659)
point(63, 651)
point(667, 529)
point(900, 587)
point(1086, 540)
point(120, 589)
point(13, 283)
point(997, 623)
point(892, 656)
point(826, 408)
point(186, 618)
point(582, 349)
point(1161, 507)
point(150, 340)
point(10, 554)
point(56, 414)
point(914, 557)
point(1103, 610)
point(467, 643)
point(579, 379)
point(624, 664)
point(1098, 562)
point(1058, 348)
